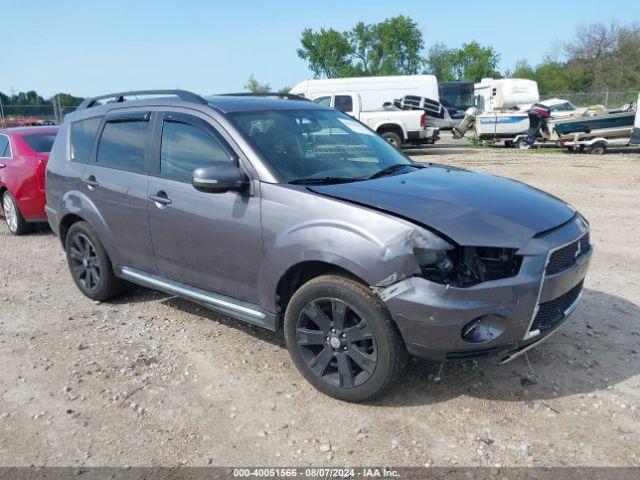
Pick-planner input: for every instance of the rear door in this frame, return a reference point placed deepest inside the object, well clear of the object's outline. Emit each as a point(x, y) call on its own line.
point(116, 182)
point(208, 240)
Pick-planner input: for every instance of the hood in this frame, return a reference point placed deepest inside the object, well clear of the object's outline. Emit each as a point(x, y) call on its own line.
point(473, 209)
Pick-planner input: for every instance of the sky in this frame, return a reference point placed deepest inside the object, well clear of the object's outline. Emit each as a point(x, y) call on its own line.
point(90, 48)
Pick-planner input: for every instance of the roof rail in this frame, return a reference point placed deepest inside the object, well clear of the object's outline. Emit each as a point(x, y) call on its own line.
point(181, 94)
point(288, 96)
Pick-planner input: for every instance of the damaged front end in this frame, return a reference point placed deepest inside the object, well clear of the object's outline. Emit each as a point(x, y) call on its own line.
point(428, 256)
point(467, 266)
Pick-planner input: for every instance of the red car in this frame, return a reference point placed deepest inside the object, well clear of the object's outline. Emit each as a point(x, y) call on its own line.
point(24, 153)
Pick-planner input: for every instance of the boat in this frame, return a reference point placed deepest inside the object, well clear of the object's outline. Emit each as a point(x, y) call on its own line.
point(609, 124)
point(635, 134)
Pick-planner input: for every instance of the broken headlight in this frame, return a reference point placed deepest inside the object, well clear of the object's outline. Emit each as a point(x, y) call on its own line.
point(467, 266)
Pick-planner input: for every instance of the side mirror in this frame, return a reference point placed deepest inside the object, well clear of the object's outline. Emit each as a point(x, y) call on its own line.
point(219, 177)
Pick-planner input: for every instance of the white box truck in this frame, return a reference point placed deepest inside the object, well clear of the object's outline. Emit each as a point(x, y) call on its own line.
point(370, 100)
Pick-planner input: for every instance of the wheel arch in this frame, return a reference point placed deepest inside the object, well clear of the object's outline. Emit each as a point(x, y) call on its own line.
point(391, 127)
point(302, 272)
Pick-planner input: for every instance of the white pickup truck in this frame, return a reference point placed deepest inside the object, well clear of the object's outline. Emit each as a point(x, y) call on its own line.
point(399, 127)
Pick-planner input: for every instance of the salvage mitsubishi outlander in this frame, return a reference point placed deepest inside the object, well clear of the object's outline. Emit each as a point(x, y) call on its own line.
point(291, 215)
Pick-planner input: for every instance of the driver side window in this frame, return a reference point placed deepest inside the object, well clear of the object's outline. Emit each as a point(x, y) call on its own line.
point(326, 101)
point(186, 147)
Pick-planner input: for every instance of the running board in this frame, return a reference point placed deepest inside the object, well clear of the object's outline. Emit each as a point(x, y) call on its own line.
point(239, 309)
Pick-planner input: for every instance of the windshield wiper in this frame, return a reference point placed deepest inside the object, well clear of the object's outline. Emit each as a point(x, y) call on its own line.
point(323, 180)
point(392, 168)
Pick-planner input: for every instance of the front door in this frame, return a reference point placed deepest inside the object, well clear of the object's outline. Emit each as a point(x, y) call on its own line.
point(208, 240)
point(116, 183)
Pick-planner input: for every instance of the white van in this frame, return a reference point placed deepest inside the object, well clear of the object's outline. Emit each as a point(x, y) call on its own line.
point(505, 93)
point(374, 91)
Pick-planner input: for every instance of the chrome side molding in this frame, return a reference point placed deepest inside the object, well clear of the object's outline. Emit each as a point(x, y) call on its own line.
point(236, 308)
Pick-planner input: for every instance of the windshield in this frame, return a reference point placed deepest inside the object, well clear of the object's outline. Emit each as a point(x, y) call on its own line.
point(458, 96)
point(317, 144)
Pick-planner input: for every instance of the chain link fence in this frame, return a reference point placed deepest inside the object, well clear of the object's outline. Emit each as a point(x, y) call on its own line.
point(26, 115)
point(587, 99)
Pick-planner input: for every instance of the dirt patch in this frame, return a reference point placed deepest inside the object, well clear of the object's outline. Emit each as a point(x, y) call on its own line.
point(151, 379)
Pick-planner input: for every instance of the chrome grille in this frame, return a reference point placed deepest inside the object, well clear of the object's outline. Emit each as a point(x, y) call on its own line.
point(551, 313)
point(566, 257)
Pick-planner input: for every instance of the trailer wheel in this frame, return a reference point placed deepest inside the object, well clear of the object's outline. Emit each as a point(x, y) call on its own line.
point(597, 149)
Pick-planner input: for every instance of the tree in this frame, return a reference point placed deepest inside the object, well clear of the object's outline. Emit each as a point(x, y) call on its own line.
point(609, 53)
point(67, 100)
point(470, 62)
point(440, 62)
point(328, 52)
point(390, 47)
point(254, 86)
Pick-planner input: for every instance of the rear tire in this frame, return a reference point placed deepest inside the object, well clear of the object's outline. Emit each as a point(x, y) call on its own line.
point(15, 221)
point(342, 339)
point(90, 265)
point(394, 139)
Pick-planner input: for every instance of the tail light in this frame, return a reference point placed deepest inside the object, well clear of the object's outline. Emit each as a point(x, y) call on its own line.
point(423, 120)
point(41, 172)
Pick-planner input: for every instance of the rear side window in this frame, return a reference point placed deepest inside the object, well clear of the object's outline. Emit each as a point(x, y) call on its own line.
point(344, 103)
point(83, 134)
point(41, 142)
point(5, 148)
point(186, 147)
point(122, 145)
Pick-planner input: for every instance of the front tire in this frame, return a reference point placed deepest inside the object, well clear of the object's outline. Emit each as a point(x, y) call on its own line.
point(15, 221)
point(342, 339)
point(90, 265)
point(394, 139)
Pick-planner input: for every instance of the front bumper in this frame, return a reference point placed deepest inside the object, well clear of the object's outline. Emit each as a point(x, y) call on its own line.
point(431, 316)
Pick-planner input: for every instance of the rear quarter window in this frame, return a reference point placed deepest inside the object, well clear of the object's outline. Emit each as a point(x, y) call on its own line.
point(83, 134)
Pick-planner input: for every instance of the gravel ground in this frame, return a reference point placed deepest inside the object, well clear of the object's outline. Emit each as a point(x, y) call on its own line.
point(154, 380)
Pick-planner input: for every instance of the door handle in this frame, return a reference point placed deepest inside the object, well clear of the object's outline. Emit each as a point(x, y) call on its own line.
point(160, 199)
point(91, 182)
point(2, 165)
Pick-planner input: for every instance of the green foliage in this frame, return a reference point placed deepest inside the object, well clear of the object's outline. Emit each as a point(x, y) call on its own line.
point(601, 58)
point(391, 47)
point(68, 100)
point(254, 86)
point(328, 52)
point(32, 98)
point(470, 62)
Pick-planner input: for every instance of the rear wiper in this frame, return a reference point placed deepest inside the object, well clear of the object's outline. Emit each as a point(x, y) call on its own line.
point(323, 180)
point(392, 168)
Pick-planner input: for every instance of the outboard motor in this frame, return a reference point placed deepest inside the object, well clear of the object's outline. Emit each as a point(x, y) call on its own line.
point(467, 122)
point(538, 116)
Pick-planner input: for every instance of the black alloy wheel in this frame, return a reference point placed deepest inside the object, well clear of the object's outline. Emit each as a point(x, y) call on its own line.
point(342, 338)
point(84, 263)
point(336, 343)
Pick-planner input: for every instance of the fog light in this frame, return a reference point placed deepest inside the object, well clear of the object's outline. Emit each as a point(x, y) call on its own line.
point(484, 329)
point(470, 328)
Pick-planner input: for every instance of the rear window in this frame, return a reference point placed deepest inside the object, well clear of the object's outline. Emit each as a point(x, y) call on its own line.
point(122, 145)
point(83, 134)
point(40, 142)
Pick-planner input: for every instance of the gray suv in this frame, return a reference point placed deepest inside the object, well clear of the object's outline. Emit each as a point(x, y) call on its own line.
point(290, 215)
